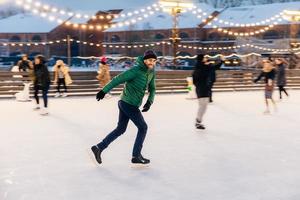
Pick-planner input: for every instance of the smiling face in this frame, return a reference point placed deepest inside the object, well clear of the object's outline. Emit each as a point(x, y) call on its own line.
point(150, 63)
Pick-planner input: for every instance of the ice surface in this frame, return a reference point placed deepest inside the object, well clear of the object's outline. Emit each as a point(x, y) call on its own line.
point(243, 155)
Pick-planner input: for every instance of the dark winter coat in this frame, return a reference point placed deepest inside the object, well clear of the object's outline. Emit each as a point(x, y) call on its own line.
point(24, 65)
point(201, 79)
point(281, 75)
point(41, 75)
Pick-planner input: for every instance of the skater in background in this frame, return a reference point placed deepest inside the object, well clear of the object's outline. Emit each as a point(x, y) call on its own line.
point(104, 73)
point(268, 73)
point(137, 79)
point(201, 80)
point(61, 77)
point(281, 76)
point(24, 64)
point(213, 67)
point(41, 82)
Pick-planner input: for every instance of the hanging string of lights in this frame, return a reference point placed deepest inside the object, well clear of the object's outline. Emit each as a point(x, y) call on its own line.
point(274, 21)
point(241, 25)
point(42, 7)
point(134, 46)
point(46, 11)
point(177, 57)
point(143, 14)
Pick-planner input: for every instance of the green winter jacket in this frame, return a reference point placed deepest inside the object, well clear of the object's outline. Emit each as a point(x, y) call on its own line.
point(137, 80)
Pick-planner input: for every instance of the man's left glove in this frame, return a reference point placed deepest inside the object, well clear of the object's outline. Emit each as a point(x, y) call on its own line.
point(146, 106)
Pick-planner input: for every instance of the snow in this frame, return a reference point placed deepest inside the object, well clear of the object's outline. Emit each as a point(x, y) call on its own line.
point(163, 20)
point(243, 155)
point(77, 5)
point(253, 14)
point(31, 23)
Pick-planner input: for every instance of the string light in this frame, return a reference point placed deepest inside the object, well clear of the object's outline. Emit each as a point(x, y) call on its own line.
point(249, 33)
point(275, 20)
point(148, 12)
point(233, 24)
point(44, 7)
point(218, 48)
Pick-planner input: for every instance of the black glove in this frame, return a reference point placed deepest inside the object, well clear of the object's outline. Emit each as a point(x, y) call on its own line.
point(100, 95)
point(146, 106)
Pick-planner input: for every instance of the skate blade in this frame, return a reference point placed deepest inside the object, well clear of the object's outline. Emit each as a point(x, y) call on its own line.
point(139, 166)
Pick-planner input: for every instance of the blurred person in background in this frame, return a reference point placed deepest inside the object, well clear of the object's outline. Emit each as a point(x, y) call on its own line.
point(104, 73)
point(61, 77)
point(268, 73)
point(281, 65)
point(41, 82)
point(201, 80)
point(24, 64)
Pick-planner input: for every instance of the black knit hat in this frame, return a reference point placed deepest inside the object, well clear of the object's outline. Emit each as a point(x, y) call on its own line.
point(149, 54)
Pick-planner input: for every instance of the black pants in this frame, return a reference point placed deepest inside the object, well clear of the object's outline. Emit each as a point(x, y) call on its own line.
point(282, 89)
point(44, 93)
point(61, 81)
point(128, 112)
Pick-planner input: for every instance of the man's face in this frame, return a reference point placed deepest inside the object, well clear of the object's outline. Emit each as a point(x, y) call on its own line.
point(24, 58)
point(150, 63)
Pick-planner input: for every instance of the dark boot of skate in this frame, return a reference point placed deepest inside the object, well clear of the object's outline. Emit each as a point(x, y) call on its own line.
point(97, 153)
point(140, 160)
point(199, 125)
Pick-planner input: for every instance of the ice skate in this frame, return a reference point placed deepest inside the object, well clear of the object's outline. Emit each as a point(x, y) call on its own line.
point(36, 108)
point(267, 112)
point(44, 112)
point(199, 125)
point(140, 160)
point(57, 94)
point(97, 153)
point(64, 95)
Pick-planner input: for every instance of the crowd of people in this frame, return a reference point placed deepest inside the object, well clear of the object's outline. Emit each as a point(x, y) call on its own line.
point(271, 70)
point(204, 76)
point(41, 79)
point(137, 80)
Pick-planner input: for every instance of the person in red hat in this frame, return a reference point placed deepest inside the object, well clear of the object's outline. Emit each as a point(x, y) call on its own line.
point(103, 73)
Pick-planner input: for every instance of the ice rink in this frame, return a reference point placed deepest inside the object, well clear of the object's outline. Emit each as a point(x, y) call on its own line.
point(243, 154)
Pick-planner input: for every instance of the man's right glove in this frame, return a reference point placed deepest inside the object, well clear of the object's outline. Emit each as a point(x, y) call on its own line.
point(100, 95)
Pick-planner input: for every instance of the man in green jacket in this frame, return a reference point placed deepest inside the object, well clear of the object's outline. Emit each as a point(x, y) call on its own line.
point(137, 80)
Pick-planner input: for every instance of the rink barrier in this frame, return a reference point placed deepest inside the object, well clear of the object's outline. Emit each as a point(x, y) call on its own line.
point(85, 83)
